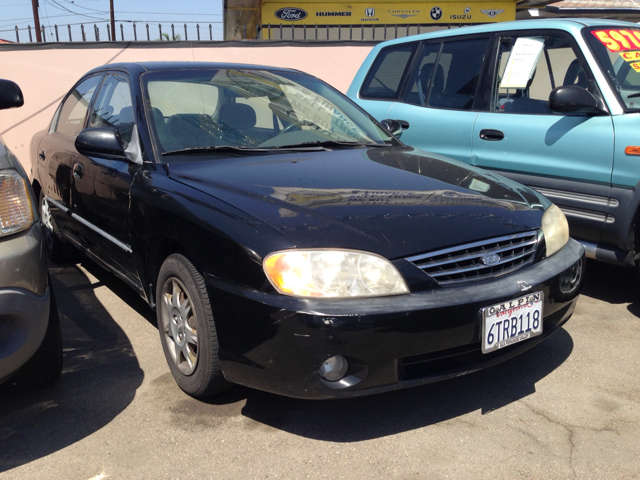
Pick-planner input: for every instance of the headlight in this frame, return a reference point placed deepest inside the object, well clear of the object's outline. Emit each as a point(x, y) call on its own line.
point(16, 213)
point(333, 273)
point(555, 229)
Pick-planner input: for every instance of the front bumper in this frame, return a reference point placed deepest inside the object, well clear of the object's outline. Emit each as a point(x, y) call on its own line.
point(24, 298)
point(277, 343)
point(24, 317)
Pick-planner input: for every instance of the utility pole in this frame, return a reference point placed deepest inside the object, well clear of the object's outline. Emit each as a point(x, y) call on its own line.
point(36, 20)
point(113, 22)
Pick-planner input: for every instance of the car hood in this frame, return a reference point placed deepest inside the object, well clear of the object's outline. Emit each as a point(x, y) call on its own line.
point(394, 201)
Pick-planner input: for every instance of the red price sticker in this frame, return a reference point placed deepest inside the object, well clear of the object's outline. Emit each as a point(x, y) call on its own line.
point(619, 40)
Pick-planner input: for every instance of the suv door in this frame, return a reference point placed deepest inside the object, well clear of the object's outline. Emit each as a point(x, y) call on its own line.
point(566, 157)
point(57, 152)
point(101, 187)
point(442, 98)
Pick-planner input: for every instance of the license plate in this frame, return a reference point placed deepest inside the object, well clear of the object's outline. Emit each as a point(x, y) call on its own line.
point(511, 322)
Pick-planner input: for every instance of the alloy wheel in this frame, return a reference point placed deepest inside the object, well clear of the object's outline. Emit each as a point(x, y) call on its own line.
point(179, 324)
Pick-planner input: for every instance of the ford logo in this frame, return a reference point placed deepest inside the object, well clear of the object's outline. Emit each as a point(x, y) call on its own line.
point(491, 259)
point(290, 14)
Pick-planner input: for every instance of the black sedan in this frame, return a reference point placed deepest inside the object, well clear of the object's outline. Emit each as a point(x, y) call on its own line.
point(290, 243)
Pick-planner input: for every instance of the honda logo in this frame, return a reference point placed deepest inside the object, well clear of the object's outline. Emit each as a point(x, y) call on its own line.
point(370, 12)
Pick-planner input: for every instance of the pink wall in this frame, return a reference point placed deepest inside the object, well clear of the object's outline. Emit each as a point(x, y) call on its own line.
point(46, 75)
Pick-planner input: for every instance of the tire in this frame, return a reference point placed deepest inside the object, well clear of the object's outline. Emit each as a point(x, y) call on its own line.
point(44, 368)
point(58, 250)
point(187, 329)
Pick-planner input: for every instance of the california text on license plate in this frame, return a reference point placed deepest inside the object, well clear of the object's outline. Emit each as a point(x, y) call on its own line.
point(510, 322)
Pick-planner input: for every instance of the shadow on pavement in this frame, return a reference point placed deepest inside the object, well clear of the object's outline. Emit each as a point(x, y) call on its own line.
point(613, 284)
point(99, 379)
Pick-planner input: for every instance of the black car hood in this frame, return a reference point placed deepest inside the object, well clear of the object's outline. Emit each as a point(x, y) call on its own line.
point(395, 201)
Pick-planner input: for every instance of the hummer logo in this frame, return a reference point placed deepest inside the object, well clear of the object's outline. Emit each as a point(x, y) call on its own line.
point(370, 12)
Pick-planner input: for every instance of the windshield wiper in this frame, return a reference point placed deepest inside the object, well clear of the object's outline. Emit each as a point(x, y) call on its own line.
point(326, 144)
point(237, 149)
point(634, 95)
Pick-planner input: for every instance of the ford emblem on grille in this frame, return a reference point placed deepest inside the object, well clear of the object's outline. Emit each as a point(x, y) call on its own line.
point(491, 259)
point(290, 14)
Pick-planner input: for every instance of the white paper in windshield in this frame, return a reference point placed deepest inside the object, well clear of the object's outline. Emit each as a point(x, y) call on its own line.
point(522, 62)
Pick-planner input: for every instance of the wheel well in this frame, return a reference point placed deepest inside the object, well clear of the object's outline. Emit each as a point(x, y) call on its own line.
point(158, 251)
point(36, 189)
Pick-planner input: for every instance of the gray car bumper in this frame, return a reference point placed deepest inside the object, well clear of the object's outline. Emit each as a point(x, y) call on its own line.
point(24, 299)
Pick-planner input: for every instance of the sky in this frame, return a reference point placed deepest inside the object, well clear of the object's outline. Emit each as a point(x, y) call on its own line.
point(127, 12)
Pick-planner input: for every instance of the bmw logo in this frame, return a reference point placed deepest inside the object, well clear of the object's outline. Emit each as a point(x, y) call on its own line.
point(436, 13)
point(491, 259)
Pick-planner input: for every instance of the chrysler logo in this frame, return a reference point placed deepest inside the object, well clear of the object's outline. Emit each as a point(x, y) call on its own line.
point(490, 259)
point(290, 14)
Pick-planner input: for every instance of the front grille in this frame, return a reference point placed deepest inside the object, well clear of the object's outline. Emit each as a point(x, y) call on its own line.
point(464, 263)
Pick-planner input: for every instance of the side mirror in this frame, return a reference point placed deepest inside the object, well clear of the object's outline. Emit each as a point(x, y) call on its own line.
point(101, 142)
point(395, 127)
point(573, 99)
point(10, 95)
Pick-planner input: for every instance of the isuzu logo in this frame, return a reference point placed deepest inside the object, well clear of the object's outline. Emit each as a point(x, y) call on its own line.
point(490, 259)
point(290, 14)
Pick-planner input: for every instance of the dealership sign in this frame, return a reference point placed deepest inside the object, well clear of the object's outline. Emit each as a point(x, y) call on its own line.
point(386, 13)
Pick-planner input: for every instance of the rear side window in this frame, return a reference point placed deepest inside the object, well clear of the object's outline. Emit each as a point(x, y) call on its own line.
point(454, 81)
point(384, 78)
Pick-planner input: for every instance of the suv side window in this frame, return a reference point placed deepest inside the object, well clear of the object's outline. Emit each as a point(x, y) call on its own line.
point(74, 109)
point(383, 80)
point(447, 77)
point(113, 107)
point(539, 64)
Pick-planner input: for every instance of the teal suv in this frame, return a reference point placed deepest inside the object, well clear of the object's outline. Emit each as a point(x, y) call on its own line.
point(552, 104)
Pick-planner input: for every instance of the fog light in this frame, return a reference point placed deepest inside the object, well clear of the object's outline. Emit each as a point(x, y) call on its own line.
point(571, 277)
point(334, 368)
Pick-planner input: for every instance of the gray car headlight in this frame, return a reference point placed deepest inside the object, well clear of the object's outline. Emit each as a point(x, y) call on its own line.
point(16, 211)
point(555, 229)
point(333, 273)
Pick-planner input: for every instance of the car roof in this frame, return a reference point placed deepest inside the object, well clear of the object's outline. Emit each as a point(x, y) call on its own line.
point(141, 67)
point(567, 24)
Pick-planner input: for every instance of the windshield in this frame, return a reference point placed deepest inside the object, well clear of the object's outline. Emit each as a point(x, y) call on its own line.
point(617, 50)
point(249, 110)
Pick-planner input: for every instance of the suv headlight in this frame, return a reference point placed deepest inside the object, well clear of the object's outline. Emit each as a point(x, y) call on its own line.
point(555, 229)
point(333, 273)
point(16, 211)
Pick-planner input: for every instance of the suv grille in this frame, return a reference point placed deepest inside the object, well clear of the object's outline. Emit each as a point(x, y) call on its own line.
point(479, 260)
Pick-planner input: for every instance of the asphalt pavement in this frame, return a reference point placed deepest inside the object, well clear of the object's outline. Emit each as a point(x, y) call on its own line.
point(569, 408)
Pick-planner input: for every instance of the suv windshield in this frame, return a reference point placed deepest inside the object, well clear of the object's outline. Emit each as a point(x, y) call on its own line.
point(617, 50)
point(190, 111)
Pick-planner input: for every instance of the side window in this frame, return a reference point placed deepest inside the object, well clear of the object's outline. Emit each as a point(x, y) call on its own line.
point(454, 80)
point(422, 76)
point(529, 68)
point(383, 80)
point(74, 109)
point(113, 107)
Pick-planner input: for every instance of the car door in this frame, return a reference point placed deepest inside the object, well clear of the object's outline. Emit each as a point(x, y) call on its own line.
point(441, 100)
point(566, 157)
point(101, 187)
point(57, 152)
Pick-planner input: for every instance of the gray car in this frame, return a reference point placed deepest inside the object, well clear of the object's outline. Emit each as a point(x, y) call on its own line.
point(30, 337)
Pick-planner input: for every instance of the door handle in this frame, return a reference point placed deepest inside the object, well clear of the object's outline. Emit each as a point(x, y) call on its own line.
point(78, 170)
point(491, 135)
point(41, 155)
